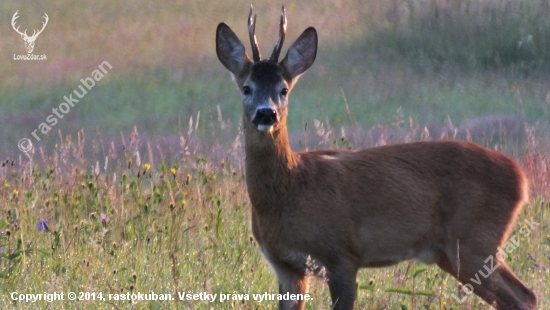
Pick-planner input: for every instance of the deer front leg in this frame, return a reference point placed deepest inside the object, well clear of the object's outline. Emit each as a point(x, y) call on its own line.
point(291, 281)
point(343, 287)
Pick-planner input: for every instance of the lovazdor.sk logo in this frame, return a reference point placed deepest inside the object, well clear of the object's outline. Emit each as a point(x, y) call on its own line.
point(29, 40)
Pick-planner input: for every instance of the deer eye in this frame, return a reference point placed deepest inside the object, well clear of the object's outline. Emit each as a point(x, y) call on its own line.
point(247, 90)
point(284, 91)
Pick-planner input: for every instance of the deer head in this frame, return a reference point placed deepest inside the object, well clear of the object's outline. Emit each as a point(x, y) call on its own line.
point(29, 41)
point(265, 84)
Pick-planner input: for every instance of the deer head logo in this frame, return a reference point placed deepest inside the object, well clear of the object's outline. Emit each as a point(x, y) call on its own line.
point(29, 41)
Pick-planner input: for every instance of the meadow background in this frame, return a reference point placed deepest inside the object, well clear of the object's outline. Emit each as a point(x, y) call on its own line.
point(140, 187)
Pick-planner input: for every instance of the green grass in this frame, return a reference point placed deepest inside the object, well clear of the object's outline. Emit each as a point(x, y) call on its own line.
point(406, 63)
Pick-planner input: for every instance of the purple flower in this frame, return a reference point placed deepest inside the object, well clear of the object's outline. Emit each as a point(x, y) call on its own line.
point(537, 264)
point(104, 218)
point(16, 224)
point(548, 257)
point(43, 225)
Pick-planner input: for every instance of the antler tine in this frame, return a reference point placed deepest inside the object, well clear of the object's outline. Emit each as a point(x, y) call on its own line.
point(15, 16)
point(44, 23)
point(281, 40)
point(252, 34)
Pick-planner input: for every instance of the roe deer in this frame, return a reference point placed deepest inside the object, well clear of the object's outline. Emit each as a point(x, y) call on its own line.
point(337, 211)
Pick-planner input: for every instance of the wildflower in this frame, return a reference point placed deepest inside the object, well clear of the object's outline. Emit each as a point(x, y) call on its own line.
point(548, 257)
point(43, 225)
point(16, 224)
point(104, 218)
point(146, 167)
point(173, 170)
point(15, 193)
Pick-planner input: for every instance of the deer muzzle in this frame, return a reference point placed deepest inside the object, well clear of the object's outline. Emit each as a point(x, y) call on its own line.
point(265, 118)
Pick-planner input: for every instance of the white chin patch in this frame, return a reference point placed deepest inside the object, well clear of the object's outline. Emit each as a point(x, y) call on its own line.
point(265, 128)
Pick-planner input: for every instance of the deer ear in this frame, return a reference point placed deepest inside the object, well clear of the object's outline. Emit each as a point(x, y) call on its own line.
point(301, 54)
point(230, 49)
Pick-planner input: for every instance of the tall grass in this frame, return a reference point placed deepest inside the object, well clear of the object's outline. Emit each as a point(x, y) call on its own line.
point(140, 217)
point(99, 207)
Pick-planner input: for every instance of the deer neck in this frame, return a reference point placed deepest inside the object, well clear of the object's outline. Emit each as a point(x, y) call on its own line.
point(269, 165)
point(268, 150)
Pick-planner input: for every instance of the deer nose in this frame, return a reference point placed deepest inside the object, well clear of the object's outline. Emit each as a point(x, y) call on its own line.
point(265, 116)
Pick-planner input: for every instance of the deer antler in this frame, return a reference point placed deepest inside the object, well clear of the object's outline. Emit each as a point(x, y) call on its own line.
point(24, 34)
point(43, 26)
point(251, 33)
point(15, 16)
point(282, 32)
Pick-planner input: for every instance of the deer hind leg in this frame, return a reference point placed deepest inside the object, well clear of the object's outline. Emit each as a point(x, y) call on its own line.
point(526, 297)
point(492, 281)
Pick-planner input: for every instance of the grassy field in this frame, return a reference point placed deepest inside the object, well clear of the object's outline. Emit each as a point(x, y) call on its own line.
point(124, 224)
point(96, 206)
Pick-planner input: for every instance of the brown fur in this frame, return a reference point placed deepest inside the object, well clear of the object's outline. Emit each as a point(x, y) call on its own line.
point(340, 211)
